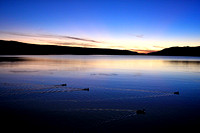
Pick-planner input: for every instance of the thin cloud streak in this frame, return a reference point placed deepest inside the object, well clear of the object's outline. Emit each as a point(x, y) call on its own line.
point(72, 44)
point(139, 36)
point(158, 47)
point(50, 36)
point(62, 43)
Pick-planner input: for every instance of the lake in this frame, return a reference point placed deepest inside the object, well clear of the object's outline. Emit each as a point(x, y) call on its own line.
point(99, 93)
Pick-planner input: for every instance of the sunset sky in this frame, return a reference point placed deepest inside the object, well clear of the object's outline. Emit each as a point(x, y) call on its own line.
point(138, 25)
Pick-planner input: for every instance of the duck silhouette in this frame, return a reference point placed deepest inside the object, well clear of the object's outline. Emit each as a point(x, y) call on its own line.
point(86, 89)
point(140, 111)
point(176, 92)
point(63, 84)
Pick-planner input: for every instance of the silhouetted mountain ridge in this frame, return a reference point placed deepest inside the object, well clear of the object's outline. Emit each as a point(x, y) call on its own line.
point(19, 48)
point(178, 51)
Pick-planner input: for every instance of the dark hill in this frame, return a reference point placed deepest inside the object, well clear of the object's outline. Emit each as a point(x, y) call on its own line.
point(18, 48)
point(179, 51)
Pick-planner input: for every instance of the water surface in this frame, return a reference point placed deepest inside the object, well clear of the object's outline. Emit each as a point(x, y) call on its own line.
point(32, 97)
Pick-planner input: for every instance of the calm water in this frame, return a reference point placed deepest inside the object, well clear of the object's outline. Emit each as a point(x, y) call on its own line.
point(32, 98)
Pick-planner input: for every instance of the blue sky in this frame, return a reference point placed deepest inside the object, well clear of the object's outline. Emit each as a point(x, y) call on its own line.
point(125, 24)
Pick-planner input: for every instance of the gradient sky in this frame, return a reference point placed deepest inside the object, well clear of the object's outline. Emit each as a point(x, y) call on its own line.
point(138, 25)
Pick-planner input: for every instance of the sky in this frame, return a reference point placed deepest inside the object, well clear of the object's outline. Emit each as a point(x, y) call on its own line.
point(137, 25)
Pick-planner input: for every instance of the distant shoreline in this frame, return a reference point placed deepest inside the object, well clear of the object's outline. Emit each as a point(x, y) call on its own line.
point(19, 48)
point(178, 51)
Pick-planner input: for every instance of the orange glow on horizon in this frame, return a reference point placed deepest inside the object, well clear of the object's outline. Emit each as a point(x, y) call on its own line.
point(143, 51)
point(140, 45)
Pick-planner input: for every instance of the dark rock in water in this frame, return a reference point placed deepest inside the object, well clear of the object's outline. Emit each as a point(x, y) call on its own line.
point(86, 89)
point(177, 92)
point(63, 84)
point(140, 111)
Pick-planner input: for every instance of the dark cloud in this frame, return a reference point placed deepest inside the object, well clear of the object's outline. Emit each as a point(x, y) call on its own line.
point(75, 44)
point(68, 43)
point(69, 37)
point(50, 36)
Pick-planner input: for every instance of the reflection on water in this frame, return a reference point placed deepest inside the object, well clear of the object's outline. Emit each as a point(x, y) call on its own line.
point(185, 62)
point(100, 65)
point(76, 93)
point(12, 59)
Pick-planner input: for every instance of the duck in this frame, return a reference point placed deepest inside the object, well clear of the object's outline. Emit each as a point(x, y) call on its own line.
point(176, 92)
point(63, 84)
point(86, 89)
point(140, 111)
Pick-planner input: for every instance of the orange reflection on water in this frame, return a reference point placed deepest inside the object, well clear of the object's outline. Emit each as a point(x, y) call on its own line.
point(97, 64)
